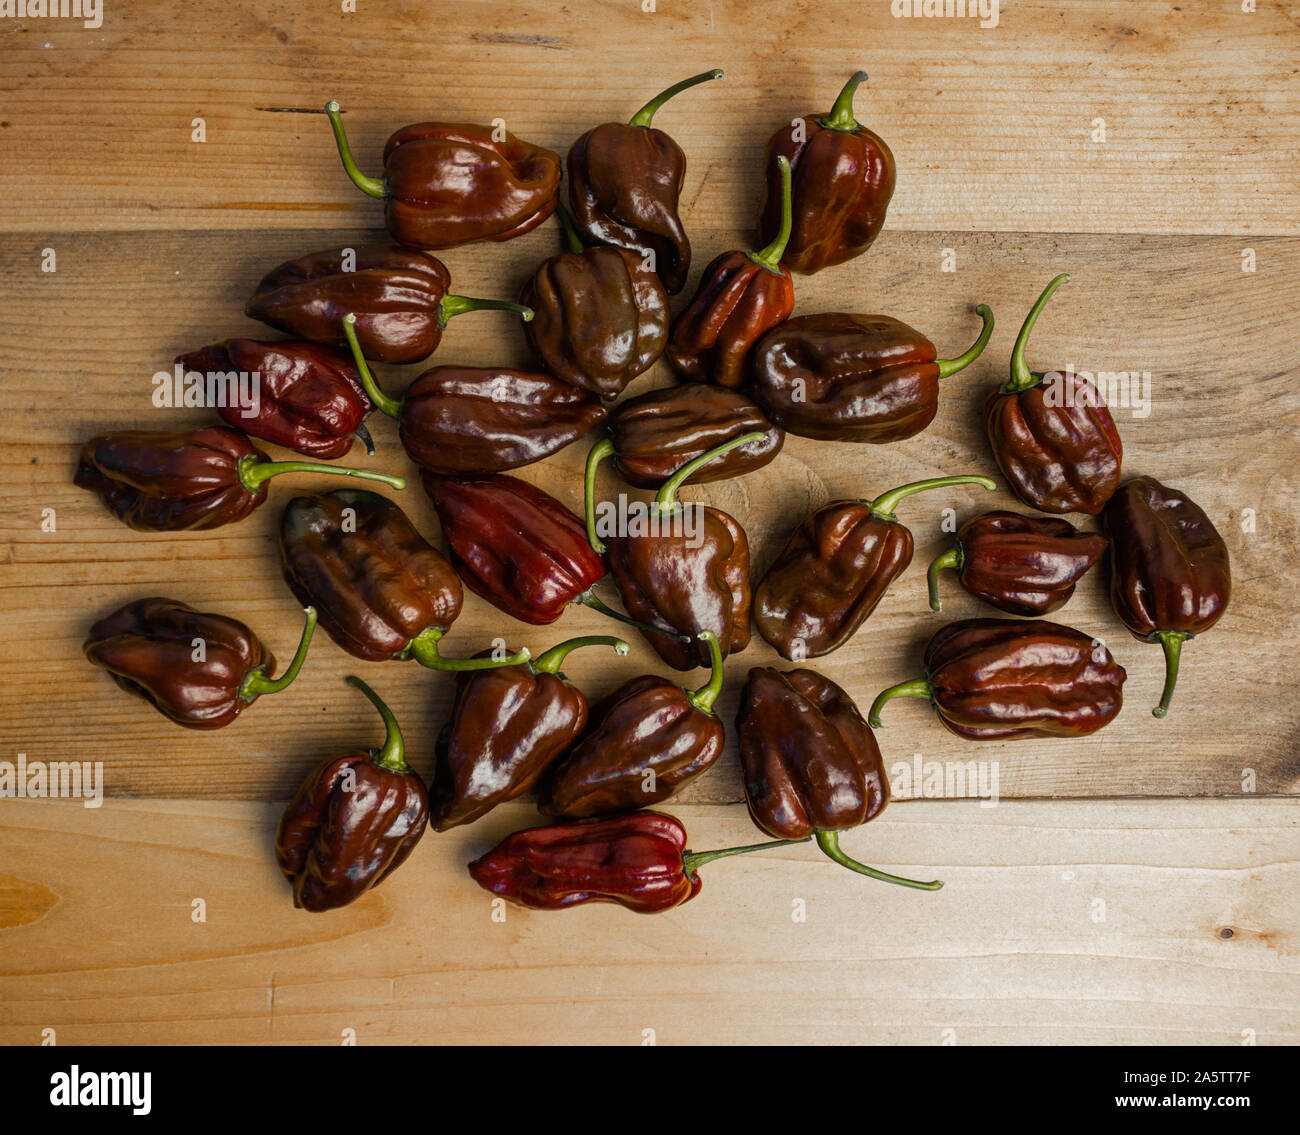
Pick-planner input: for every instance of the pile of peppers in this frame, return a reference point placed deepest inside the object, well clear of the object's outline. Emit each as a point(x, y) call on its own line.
point(597, 316)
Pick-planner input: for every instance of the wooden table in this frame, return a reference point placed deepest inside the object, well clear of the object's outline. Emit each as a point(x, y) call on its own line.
point(1139, 886)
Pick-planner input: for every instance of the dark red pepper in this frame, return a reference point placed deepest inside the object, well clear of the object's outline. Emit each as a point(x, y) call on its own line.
point(1170, 579)
point(187, 480)
point(835, 569)
point(740, 297)
point(399, 296)
point(997, 679)
point(353, 822)
point(1024, 565)
point(197, 669)
point(1052, 434)
point(447, 184)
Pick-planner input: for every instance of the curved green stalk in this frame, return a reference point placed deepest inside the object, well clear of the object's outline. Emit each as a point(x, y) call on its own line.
point(952, 366)
point(589, 599)
point(1021, 376)
point(643, 116)
point(597, 454)
point(451, 306)
point(829, 842)
point(953, 558)
point(666, 498)
point(391, 754)
point(692, 861)
point(1172, 642)
point(916, 688)
point(704, 698)
point(571, 237)
point(770, 256)
point(373, 186)
point(385, 405)
point(254, 472)
point(883, 506)
point(424, 649)
point(841, 115)
point(550, 662)
point(256, 683)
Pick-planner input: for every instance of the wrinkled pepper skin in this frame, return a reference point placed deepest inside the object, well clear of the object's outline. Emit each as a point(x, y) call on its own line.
point(352, 823)
point(446, 184)
point(311, 399)
point(1024, 565)
point(625, 184)
point(999, 679)
point(843, 377)
point(656, 433)
point(148, 647)
point(1170, 578)
point(514, 545)
point(1051, 434)
point(634, 860)
point(843, 179)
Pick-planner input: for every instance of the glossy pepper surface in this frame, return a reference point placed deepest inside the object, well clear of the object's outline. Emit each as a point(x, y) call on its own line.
point(186, 480)
point(835, 569)
point(1024, 565)
point(812, 766)
point(382, 590)
point(655, 434)
point(639, 861)
point(507, 727)
point(400, 298)
point(1170, 578)
point(600, 315)
point(353, 822)
point(459, 420)
point(1052, 434)
point(843, 377)
point(151, 649)
point(310, 397)
point(996, 679)
point(647, 739)
point(741, 296)
point(843, 181)
point(449, 183)
point(625, 183)
point(686, 573)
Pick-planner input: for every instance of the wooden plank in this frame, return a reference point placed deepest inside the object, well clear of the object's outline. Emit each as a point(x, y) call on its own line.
point(1086, 923)
point(80, 346)
point(993, 128)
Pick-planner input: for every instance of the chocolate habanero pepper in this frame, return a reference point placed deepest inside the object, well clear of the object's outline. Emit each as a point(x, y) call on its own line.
point(996, 679)
point(639, 861)
point(683, 569)
point(310, 397)
point(447, 184)
point(188, 480)
point(507, 727)
point(1169, 574)
point(1052, 434)
point(383, 592)
point(812, 766)
point(600, 315)
point(459, 420)
point(654, 434)
point(150, 647)
point(647, 739)
point(400, 298)
point(1024, 565)
point(741, 296)
point(625, 183)
point(835, 569)
point(864, 378)
point(353, 822)
point(843, 180)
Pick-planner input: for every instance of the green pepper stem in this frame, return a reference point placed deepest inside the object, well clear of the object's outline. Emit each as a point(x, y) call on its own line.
point(883, 506)
point(391, 754)
point(598, 453)
point(643, 116)
point(385, 405)
point(829, 842)
point(1172, 642)
point(692, 861)
point(372, 186)
point(704, 698)
point(841, 115)
point(256, 683)
point(916, 688)
point(588, 599)
point(571, 237)
point(770, 256)
point(550, 662)
point(666, 498)
point(953, 558)
point(253, 472)
point(1021, 376)
point(952, 366)
point(366, 440)
point(424, 649)
point(451, 306)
